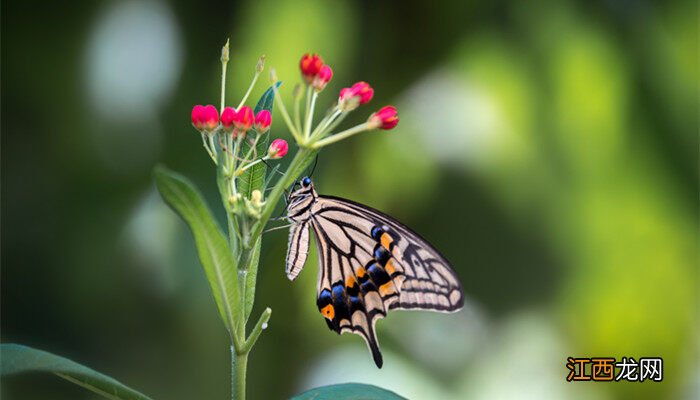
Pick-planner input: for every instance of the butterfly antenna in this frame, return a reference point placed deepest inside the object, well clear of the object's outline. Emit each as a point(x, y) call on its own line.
point(314, 167)
point(286, 203)
point(270, 167)
point(276, 228)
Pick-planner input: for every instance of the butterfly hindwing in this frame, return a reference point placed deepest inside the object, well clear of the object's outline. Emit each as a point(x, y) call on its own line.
point(370, 264)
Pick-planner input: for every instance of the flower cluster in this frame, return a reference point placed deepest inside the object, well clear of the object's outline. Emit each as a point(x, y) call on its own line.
point(232, 137)
point(315, 72)
point(235, 123)
point(239, 122)
point(316, 75)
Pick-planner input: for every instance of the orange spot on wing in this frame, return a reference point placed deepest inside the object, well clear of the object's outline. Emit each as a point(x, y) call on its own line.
point(361, 272)
point(350, 282)
point(328, 311)
point(387, 288)
point(386, 240)
point(389, 267)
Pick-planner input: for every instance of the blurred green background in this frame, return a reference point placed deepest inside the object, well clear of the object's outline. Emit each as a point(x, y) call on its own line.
point(547, 148)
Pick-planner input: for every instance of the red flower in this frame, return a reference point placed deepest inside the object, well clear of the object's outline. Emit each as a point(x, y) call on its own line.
point(205, 118)
point(263, 121)
point(322, 78)
point(385, 118)
point(356, 95)
point(228, 118)
point(310, 65)
point(278, 148)
point(244, 118)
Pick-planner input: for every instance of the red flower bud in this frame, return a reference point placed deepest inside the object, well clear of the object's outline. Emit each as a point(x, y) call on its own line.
point(364, 90)
point(263, 121)
point(356, 95)
point(322, 78)
point(244, 118)
point(228, 118)
point(205, 118)
point(385, 118)
point(310, 65)
point(278, 148)
point(196, 116)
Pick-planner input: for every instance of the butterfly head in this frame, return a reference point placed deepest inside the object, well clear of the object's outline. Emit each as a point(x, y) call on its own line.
point(299, 200)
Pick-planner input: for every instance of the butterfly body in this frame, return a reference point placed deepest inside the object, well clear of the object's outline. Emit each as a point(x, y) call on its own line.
point(369, 264)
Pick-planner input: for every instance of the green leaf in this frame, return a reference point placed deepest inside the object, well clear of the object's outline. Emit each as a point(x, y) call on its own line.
point(348, 391)
point(19, 359)
point(254, 177)
point(251, 278)
point(213, 250)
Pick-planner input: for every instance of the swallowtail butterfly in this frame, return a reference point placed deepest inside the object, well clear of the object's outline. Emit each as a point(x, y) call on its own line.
point(369, 264)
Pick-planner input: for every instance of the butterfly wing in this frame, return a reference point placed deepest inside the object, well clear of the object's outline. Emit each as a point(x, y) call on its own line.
point(370, 264)
point(297, 249)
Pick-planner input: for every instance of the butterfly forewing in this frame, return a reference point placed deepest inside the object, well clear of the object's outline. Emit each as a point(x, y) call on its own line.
point(430, 283)
point(370, 264)
point(298, 249)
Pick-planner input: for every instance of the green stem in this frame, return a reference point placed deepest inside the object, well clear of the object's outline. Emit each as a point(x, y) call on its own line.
point(241, 348)
point(342, 135)
point(253, 147)
point(297, 117)
point(249, 165)
point(310, 115)
point(232, 239)
point(259, 327)
point(206, 144)
point(224, 62)
point(285, 115)
point(307, 107)
point(239, 366)
point(212, 146)
point(250, 89)
point(334, 121)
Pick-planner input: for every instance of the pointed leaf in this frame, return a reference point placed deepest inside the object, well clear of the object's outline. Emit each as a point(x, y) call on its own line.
point(19, 359)
point(348, 391)
point(212, 247)
point(250, 279)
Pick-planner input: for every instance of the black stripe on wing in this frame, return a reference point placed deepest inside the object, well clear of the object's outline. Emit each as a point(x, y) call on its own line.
point(426, 269)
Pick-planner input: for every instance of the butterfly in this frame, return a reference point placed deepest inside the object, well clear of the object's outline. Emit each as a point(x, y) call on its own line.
point(369, 264)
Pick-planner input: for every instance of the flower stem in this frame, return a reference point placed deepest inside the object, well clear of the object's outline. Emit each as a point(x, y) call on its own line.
point(247, 166)
point(207, 143)
point(285, 115)
point(310, 115)
point(297, 117)
point(307, 106)
point(328, 124)
point(250, 89)
point(224, 62)
point(340, 136)
point(253, 148)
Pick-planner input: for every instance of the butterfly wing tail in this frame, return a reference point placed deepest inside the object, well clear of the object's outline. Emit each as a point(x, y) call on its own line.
point(373, 345)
